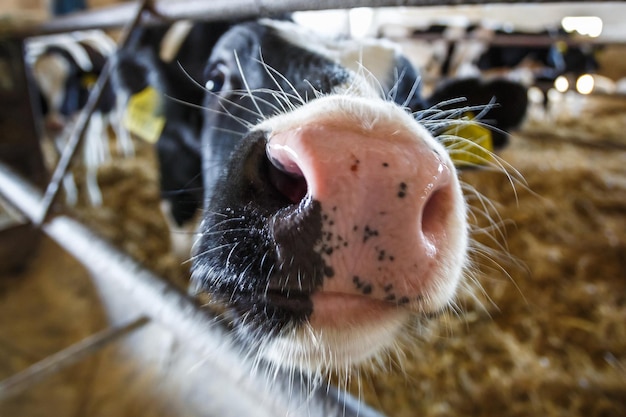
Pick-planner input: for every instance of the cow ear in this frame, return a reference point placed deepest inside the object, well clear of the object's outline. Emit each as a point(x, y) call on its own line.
point(500, 103)
point(511, 100)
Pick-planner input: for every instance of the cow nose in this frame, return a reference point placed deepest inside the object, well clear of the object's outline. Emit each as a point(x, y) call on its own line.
point(392, 209)
point(364, 176)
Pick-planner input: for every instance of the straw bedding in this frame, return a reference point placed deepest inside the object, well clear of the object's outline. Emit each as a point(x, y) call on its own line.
point(547, 334)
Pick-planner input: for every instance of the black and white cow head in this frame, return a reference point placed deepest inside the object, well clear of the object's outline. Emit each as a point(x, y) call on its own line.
point(332, 217)
point(337, 217)
point(65, 67)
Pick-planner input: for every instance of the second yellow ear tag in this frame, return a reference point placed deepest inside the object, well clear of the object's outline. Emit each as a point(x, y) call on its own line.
point(469, 143)
point(144, 115)
point(88, 80)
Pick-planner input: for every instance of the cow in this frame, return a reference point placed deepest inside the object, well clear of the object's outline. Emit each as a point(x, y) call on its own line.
point(332, 218)
point(539, 64)
point(170, 58)
point(65, 67)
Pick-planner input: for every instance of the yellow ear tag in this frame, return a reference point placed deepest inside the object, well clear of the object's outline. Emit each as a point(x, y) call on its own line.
point(469, 143)
point(88, 80)
point(144, 115)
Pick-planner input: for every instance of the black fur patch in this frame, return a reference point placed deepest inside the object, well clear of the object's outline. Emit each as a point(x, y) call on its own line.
point(257, 251)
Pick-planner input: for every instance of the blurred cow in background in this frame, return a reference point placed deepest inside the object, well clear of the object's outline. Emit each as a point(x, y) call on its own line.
point(545, 61)
point(65, 67)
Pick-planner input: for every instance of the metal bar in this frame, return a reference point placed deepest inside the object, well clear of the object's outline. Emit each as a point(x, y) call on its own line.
point(68, 356)
point(511, 40)
point(116, 16)
point(514, 40)
point(197, 327)
point(78, 130)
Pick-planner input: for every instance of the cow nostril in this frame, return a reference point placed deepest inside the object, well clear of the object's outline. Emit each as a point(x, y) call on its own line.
point(434, 216)
point(285, 174)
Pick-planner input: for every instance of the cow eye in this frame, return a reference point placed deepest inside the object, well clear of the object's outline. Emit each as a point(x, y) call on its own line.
point(217, 77)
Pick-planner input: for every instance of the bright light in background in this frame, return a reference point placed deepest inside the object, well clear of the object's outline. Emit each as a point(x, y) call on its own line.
point(361, 20)
point(535, 95)
point(561, 84)
point(585, 84)
point(584, 25)
point(554, 96)
point(356, 22)
point(329, 22)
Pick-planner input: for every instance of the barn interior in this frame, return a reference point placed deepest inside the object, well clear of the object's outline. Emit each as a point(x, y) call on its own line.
point(542, 332)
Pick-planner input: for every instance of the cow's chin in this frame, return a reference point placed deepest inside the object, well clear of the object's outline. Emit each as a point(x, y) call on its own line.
point(343, 331)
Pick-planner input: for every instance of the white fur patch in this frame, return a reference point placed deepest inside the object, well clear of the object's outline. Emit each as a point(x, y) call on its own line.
point(51, 72)
point(323, 350)
point(173, 39)
point(375, 57)
point(70, 42)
